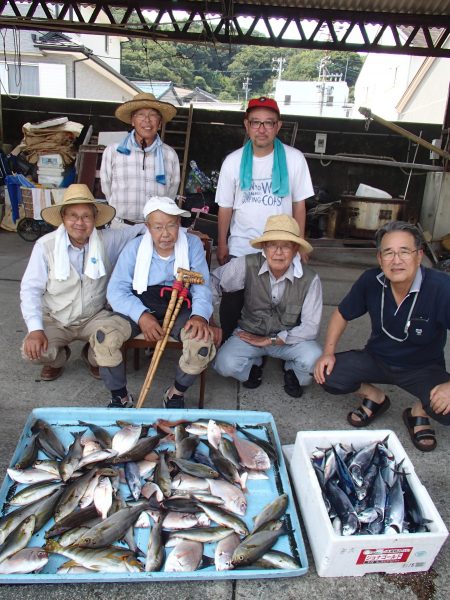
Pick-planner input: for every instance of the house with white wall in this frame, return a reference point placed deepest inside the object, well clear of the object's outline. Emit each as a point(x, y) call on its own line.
point(57, 65)
point(326, 98)
point(404, 88)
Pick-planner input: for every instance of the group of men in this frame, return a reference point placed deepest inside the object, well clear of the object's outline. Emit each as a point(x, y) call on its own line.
point(104, 286)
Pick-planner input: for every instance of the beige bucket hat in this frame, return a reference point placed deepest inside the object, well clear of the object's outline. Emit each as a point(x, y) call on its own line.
point(165, 205)
point(282, 228)
point(78, 193)
point(144, 100)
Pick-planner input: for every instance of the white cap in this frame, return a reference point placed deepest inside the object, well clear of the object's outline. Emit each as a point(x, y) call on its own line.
point(165, 205)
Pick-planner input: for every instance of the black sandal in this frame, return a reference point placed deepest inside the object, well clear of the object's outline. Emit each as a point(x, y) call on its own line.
point(377, 409)
point(419, 436)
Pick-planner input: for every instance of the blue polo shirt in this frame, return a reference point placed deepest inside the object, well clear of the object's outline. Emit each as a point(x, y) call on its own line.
point(426, 325)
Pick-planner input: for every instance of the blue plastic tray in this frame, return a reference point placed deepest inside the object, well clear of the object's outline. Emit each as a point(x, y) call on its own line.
point(260, 493)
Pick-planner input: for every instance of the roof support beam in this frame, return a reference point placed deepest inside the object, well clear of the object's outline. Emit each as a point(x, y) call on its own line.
point(217, 22)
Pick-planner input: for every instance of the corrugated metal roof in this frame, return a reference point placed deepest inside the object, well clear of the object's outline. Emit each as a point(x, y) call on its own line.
point(418, 7)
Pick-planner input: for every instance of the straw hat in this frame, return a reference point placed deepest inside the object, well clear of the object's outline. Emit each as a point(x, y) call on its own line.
point(165, 205)
point(143, 100)
point(78, 193)
point(282, 228)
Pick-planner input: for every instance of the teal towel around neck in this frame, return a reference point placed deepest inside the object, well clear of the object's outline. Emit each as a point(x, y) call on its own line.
point(280, 177)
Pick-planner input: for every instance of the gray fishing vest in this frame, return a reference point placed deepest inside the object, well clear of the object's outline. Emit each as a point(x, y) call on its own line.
point(259, 315)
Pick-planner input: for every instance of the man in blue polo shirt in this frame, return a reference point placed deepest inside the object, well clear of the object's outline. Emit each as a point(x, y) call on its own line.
point(409, 308)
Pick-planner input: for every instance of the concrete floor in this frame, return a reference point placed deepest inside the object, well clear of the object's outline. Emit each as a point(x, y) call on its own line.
point(338, 267)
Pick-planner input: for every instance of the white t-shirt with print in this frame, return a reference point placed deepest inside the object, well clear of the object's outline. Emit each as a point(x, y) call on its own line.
point(252, 207)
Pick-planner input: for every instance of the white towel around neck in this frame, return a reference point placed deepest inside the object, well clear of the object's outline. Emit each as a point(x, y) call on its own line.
point(94, 266)
point(144, 259)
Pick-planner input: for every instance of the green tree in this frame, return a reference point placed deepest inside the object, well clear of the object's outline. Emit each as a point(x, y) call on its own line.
point(303, 65)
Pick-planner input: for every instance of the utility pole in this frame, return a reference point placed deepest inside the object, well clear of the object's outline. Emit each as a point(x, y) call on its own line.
point(247, 86)
point(278, 66)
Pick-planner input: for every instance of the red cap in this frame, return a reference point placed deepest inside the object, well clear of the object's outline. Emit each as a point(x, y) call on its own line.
point(263, 102)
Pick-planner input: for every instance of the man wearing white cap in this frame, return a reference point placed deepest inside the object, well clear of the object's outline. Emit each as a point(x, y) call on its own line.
point(144, 267)
point(141, 166)
point(282, 308)
point(63, 290)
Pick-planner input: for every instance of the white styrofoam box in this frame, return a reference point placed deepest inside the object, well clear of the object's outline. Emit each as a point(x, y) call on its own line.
point(339, 556)
point(54, 171)
point(50, 160)
point(50, 180)
point(367, 191)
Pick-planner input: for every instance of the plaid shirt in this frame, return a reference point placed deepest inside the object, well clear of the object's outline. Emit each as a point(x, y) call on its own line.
point(128, 181)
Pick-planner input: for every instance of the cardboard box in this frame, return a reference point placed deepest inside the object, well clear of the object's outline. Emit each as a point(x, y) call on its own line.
point(339, 556)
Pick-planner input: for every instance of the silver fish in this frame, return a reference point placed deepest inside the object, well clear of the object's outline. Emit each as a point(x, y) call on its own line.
point(30, 476)
point(70, 537)
point(30, 453)
point(101, 435)
point(108, 560)
point(224, 551)
point(126, 438)
point(48, 440)
point(151, 488)
point(155, 551)
point(162, 475)
point(254, 546)
point(183, 481)
point(179, 520)
point(205, 535)
point(233, 498)
point(28, 560)
point(96, 456)
point(272, 511)
point(19, 538)
point(71, 461)
point(186, 556)
point(276, 560)
point(224, 518)
point(133, 479)
point(72, 495)
point(111, 529)
point(34, 492)
point(195, 469)
point(103, 497)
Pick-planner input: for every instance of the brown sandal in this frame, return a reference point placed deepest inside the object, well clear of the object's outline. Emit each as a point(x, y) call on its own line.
point(419, 436)
point(376, 408)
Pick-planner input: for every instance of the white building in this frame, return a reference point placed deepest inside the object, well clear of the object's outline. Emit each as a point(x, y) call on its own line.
point(403, 88)
point(313, 98)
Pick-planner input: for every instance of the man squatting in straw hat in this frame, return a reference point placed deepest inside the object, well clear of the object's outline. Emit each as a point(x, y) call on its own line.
point(263, 178)
point(409, 309)
point(282, 306)
point(63, 290)
point(144, 267)
point(141, 166)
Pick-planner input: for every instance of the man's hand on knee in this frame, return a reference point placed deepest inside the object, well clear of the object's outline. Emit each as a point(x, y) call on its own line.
point(198, 329)
point(325, 364)
point(34, 344)
point(440, 399)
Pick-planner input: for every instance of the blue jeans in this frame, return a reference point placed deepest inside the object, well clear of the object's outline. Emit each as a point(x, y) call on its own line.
point(236, 358)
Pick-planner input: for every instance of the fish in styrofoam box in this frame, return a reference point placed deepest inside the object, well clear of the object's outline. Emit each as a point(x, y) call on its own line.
point(338, 556)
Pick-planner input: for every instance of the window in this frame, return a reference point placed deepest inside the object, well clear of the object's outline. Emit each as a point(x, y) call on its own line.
point(23, 80)
point(287, 100)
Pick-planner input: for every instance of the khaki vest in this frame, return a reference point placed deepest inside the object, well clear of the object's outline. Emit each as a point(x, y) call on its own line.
point(259, 315)
point(76, 299)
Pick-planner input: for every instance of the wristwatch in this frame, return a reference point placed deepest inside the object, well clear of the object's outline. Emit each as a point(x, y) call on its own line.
point(273, 340)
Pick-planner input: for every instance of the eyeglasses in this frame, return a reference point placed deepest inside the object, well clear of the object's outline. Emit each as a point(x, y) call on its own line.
point(403, 254)
point(170, 228)
point(274, 246)
point(143, 117)
point(256, 124)
point(75, 218)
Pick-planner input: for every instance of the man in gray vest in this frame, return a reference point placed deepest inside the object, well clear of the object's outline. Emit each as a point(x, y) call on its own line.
point(282, 308)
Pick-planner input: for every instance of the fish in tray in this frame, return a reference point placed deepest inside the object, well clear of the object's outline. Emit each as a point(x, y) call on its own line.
point(185, 484)
point(366, 491)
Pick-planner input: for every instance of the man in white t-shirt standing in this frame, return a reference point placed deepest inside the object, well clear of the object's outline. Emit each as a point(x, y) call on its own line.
point(259, 180)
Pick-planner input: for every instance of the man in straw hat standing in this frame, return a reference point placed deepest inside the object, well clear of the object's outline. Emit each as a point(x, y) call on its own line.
point(63, 290)
point(263, 178)
point(146, 266)
point(141, 166)
point(282, 308)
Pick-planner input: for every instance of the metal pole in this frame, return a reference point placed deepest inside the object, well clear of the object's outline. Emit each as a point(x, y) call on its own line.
point(404, 132)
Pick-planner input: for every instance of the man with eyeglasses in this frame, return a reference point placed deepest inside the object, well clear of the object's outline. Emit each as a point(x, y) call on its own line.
point(409, 309)
point(141, 166)
point(63, 290)
point(135, 291)
point(282, 308)
point(262, 179)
